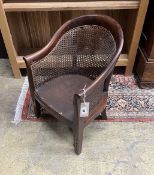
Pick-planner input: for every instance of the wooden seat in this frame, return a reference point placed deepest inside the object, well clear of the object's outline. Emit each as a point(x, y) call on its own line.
point(82, 52)
point(58, 93)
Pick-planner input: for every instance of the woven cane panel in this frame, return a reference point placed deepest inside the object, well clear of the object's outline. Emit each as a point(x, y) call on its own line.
point(86, 50)
point(95, 97)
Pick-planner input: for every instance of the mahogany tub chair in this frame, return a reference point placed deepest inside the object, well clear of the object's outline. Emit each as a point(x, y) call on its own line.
point(70, 76)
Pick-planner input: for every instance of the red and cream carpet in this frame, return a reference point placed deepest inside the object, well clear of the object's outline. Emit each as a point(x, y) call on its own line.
point(126, 102)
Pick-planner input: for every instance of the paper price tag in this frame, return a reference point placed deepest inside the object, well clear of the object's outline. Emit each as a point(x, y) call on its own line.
point(84, 110)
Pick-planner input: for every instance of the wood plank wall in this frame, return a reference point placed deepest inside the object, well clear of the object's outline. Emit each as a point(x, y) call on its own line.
point(34, 29)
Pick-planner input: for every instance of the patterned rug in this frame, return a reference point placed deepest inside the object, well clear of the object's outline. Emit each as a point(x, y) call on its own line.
point(126, 102)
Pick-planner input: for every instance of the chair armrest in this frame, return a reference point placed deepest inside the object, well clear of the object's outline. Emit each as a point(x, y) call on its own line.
point(101, 78)
point(36, 56)
point(97, 91)
point(29, 59)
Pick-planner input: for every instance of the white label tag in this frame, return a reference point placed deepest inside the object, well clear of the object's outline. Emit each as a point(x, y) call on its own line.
point(84, 110)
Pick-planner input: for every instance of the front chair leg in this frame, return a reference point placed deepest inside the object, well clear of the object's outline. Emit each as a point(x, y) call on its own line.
point(37, 108)
point(78, 138)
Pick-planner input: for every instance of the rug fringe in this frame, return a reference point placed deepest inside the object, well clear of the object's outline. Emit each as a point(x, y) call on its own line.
point(20, 103)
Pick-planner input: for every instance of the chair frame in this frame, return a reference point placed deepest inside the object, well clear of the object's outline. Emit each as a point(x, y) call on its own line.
point(78, 123)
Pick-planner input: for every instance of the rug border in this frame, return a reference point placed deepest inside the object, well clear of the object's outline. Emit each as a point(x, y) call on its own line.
point(25, 113)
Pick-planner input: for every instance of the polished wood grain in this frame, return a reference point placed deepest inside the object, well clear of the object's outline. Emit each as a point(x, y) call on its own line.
point(144, 65)
point(56, 6)
point(144, 70)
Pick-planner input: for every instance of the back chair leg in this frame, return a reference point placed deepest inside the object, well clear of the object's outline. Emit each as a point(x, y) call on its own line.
point(102, 115)
point(78, 138)
point(37, 108)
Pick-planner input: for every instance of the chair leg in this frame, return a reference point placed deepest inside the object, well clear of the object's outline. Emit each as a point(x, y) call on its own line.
point(102, 115)
point(78, 138)
point(37, 108)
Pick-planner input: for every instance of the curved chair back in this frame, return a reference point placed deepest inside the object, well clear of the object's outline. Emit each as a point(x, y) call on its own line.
point(85, 45)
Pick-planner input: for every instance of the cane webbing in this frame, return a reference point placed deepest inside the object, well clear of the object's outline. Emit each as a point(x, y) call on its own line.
point(86, 50)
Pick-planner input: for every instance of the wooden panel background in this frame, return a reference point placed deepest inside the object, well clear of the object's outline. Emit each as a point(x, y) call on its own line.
point(32, 30)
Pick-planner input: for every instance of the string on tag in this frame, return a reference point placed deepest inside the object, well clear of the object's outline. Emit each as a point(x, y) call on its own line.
point(84, 94)
point(84, 108)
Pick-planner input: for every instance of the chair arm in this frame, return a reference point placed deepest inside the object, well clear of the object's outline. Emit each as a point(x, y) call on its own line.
point(98, 90)
point(101, 78)
point(29, 59)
